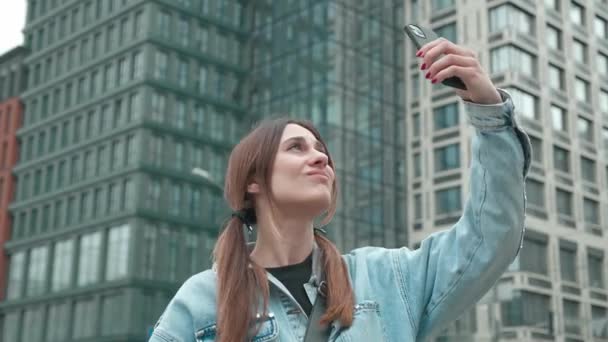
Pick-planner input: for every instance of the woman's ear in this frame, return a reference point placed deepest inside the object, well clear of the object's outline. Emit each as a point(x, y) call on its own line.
point(253, 188)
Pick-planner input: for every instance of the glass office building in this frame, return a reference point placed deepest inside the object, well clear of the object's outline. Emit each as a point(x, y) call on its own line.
point(552, 58)
point(340, 65)
point(124, 99)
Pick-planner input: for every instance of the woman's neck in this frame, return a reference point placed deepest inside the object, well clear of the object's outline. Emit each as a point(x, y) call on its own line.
point(282, 242)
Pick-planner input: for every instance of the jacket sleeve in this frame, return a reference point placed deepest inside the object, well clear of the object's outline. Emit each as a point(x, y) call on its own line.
point(453, 269)
point(176, 324)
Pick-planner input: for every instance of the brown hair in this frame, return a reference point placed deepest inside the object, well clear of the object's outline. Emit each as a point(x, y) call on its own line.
point(240, 279)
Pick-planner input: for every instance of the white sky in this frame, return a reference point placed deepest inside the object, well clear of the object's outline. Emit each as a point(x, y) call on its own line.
point(12, 21)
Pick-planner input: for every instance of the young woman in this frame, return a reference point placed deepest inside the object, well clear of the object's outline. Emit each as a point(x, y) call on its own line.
point(281, 178)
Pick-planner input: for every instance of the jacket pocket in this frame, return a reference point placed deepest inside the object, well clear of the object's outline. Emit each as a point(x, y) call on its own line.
point(367, 325)
point(269, 331)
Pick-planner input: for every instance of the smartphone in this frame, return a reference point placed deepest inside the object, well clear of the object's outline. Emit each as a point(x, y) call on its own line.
point(420, 36)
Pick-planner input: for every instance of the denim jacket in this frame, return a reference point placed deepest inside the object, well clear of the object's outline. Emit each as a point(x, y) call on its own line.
point(401, 294)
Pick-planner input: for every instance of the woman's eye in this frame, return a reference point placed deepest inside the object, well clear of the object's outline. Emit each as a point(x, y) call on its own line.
point(295, 146)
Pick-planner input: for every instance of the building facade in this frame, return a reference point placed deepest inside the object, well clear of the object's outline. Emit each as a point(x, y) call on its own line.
point(339, 64)
point(552, 56)
point(125, 98)
point(13, 76)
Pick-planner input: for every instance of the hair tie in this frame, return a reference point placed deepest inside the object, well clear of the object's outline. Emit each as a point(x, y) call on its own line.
point(243, 217)
point(320, 231)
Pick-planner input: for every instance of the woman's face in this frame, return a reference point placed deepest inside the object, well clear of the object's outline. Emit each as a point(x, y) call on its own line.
point(301, 175)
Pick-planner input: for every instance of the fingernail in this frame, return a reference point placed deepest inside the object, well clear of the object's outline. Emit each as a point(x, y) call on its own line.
point(434, 80)
point(428, 74)
point(423, 66)
point(419, 53)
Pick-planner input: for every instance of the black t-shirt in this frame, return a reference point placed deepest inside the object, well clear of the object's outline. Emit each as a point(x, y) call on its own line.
point(294, 277)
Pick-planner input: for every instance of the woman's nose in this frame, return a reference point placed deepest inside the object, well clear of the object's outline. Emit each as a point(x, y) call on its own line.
point(320, 158)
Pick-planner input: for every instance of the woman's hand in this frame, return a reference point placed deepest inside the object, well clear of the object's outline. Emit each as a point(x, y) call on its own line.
point(443, 59)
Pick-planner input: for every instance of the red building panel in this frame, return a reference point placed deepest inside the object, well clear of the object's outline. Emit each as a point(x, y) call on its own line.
point(11, 111)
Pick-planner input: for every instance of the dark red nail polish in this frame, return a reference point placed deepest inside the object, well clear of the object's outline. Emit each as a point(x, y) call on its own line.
point(423, 66)
point(428, 74)
point(434, 80)
point(419, 53)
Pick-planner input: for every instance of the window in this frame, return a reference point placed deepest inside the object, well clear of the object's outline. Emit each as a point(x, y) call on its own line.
point(37, 272)
point(567, 263)
point(137, 25)
point(448, 32)
point(556, 77)
point(447, 157)
point(138, 66)
point(511, 58)
point(88, 261)
point(445, 116)
point(184, 31)
point(525, 103)
point(559, 119)
point(33, 319)
point(526, 309)
point(157, 150)
point(553, 38)
point(585, 129)
point(199, 119)
point(577, 14)
point(58, 319)
point(564, 202)
point(602, 64)
point(448, 201)
point(116, 155)
point(600, 27)
point(579, 51)
point(128, 194)
point(114, 315)
point(182, 73)
point(603, 100)
point(180, 161)
point(124, 28)
point(134, 112)
point(595, 269)
point(572, 317)
point(599, 317)
point(111, 39)
point(123, 72)
point(180, 121)
point(417, 164)
point(416, 125)
point(415, 86)
point(532, 257)
point(113, 199)
point(158, 107)
point(581, 90)
point(535, 193)
point(552, 4)
point(509, 17)
point(16, 275)
point(202, 80)
point(85, 318)
point(588, 170)
point(118, 117)
point(441, 4)
point(164, 23)
point(176, 198)
point(161, 65)
point(590, 209)
point(118, 252)
point(62, 265)
point(561, 159)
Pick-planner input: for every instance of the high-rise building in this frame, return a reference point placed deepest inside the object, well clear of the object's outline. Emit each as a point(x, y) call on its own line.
point(13, 76)
point(340, 65)
point(124, 99)
point(552, 56)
